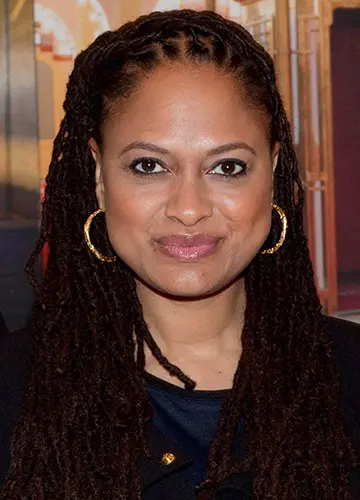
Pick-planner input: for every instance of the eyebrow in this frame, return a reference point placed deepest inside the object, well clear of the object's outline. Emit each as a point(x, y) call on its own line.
point(230, 147)
point(148, 146)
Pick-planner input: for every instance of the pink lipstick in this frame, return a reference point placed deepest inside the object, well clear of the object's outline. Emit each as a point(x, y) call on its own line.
point(188, 247)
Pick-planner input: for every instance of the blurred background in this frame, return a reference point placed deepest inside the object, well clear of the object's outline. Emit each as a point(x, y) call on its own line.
point(316, 47)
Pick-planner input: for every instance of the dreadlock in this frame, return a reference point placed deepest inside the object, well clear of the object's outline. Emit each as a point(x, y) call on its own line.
point(86, 413)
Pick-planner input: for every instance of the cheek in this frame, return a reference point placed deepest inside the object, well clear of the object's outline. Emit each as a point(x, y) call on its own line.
point(250, 205)
point(248, 215)
point(124, 212)
point(129, 213)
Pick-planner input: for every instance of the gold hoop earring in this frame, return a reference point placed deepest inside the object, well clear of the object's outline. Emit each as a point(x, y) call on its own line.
point(284, 223)
point(94, 250)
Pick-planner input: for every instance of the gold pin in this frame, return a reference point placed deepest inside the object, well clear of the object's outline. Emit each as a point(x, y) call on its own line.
point(168, 458)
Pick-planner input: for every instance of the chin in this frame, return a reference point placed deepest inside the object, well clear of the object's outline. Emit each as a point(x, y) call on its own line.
point(186, 294)
point(187, 287)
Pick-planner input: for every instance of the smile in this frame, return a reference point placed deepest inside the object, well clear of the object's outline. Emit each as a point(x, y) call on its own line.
point(188, 247)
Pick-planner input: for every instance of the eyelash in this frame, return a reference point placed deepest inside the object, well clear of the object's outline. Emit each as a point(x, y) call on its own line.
point(137, 161)
point(235, 161)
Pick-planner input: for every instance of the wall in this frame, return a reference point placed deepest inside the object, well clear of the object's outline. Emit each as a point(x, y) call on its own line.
point(345, 51)
point(19, 169)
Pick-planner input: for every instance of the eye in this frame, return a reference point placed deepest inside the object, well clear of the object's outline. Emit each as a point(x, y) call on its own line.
point(230, 168)
point(147, 166)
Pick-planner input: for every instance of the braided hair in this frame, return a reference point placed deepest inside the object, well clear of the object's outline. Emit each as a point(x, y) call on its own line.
point(86, 414)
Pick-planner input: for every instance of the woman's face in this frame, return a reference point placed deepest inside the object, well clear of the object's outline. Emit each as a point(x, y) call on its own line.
point(186, 178)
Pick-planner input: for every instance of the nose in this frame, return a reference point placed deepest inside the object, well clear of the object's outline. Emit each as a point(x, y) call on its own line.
point(189, 202)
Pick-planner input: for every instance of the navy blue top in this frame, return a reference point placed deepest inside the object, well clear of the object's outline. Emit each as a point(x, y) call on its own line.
point(187, 418)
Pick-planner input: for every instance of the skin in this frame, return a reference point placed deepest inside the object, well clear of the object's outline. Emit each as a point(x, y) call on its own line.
point(194, 309)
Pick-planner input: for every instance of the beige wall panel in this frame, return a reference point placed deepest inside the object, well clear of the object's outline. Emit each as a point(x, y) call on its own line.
point(23, 149)
point(4, 167)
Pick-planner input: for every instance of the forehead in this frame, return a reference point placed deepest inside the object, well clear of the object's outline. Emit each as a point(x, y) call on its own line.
point(184, 102)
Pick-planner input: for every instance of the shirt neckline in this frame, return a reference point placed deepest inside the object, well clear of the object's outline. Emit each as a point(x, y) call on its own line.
point(165, 386)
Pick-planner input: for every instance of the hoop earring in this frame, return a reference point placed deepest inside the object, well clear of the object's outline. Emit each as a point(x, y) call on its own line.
point(284, 223)
point(94, 250)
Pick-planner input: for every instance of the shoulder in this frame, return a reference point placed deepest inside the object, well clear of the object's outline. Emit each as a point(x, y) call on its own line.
point(14, 355)
point(14, 363)
point(345, 338)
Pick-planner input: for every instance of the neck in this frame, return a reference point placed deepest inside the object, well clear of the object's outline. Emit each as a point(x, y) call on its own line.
point(201, 337)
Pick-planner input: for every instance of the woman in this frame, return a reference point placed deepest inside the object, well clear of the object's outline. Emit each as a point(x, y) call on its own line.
point(188, 358)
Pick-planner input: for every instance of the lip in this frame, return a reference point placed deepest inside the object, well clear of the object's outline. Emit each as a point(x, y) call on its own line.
point(188, 247)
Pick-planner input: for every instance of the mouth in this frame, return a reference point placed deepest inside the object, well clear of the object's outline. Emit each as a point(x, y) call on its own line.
point(188, 248)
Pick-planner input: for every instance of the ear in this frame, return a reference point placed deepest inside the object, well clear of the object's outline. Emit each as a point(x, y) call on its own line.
point(275, 156)
point(99, 180)
point(274, 161)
